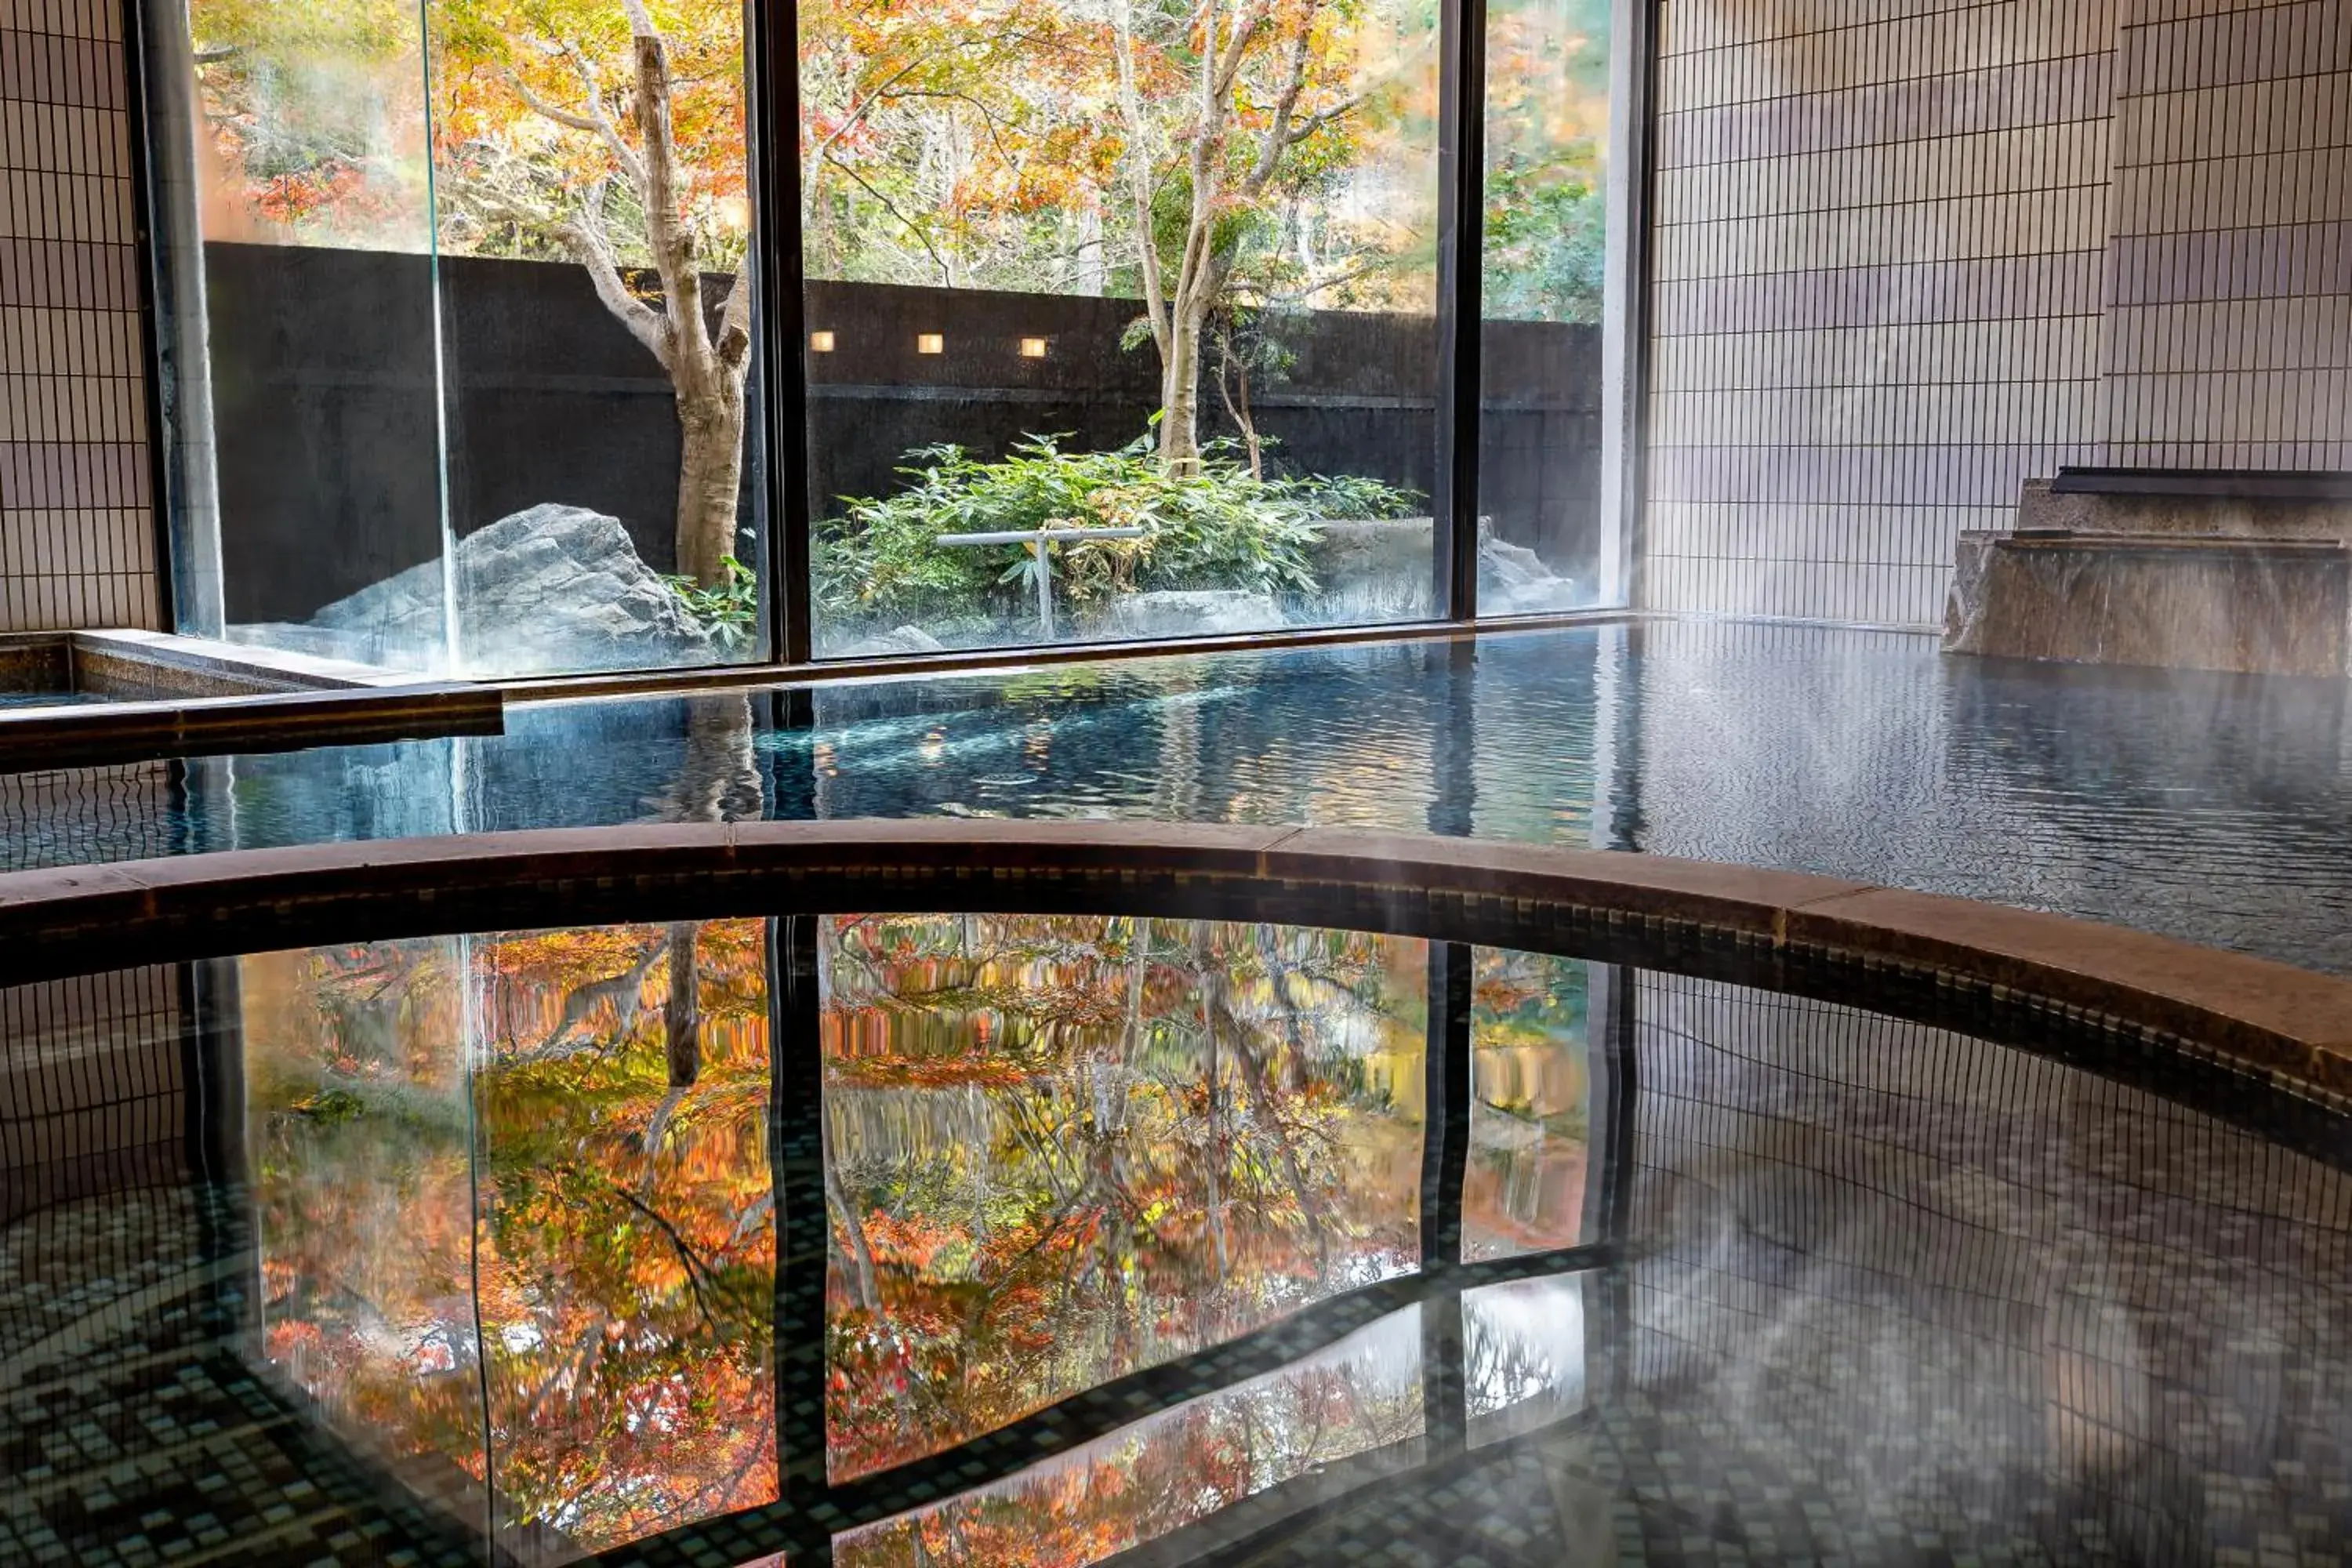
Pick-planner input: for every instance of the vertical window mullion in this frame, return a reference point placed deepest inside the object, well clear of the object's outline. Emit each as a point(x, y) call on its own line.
point(1460, 218)
point(774, 61)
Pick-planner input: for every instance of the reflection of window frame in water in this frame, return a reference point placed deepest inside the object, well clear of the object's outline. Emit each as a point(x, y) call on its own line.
point(1309, 1330)
point(1064, 1018)
point(636, 1015)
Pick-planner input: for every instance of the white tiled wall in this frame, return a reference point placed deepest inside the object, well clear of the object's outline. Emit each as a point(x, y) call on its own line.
point(2230, 267)
point(1878, 291)
point(77, 536)
point(1912, 253)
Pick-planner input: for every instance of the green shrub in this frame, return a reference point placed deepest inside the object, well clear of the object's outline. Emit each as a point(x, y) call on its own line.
point(1214, 527)
point(730, 612)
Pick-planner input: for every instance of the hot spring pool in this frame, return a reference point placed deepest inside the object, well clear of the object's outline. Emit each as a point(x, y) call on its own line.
point(1097, 1231)
point(2205, 808)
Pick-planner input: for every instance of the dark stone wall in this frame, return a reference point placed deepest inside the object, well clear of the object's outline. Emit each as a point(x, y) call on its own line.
point(325, 365)
point(324, 423)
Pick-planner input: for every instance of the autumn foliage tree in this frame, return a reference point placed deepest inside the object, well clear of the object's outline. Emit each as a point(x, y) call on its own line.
point(1270, 104)
point(606, 131)
point(564, 119)
point(1190, 151)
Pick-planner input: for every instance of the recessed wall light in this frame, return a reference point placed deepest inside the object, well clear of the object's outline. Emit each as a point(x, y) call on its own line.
point(1033, 348)
point(930, 343)
point(820, 343)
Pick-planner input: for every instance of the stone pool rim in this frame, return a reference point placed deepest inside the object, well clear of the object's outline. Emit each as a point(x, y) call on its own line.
point(1920, 955)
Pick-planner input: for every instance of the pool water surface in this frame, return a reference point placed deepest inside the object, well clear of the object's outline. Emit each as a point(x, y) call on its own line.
point(2210, 808)
point(909, 1239)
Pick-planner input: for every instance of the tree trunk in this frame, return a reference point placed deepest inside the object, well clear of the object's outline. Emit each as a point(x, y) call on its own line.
point(1239, 411)
point(1179, 395)
point(682, 1017)
point(710, 481)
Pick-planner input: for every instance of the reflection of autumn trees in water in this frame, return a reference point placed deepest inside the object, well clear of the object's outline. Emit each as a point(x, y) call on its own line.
point(365, 1208)
point(1172, 1469)
point(624, 1249)
point(1063, 1149)
point(1532, 1105)
point(628, 1242)
point(524, 1181)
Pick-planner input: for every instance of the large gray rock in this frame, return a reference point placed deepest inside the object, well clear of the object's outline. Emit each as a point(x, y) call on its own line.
point(1354, 551)
point(1513, 580)
point(553, 588)
point(1203, 612)
point(893, 644)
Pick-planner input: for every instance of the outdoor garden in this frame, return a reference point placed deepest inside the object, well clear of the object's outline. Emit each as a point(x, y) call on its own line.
point(1241, 195)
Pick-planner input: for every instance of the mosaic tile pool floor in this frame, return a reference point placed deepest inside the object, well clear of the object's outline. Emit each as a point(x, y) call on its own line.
point(1878, 1292)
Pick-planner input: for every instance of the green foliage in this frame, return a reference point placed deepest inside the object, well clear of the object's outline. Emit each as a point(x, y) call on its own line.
point(730, 612)
point(1210, 526)
point(1338, 498)
point(1546, 244)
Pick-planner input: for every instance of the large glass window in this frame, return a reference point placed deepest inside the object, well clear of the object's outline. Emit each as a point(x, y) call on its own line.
point(462, 331)
point(1545, 496)
point(1120, 322)
point(1121, 318)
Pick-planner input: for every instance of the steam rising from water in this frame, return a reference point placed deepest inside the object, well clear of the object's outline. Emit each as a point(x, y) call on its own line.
point(1936, 1279)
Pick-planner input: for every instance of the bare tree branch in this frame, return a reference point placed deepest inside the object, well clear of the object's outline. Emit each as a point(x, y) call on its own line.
point(594, 121)
point(672, 246)
point(735, 319)
point(585, 234)
point(1245, 27)
point(880, 93)
point(1130, 97)
point(693, 1266)
point(1279, 137)
point(892, 208)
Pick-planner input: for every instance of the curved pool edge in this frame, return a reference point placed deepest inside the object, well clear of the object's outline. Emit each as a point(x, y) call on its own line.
point(1782, 928)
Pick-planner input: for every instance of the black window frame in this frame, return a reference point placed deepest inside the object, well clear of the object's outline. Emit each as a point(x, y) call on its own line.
point(772, 67)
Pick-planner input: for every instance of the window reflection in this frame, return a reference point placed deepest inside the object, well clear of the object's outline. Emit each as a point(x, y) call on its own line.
point(1179, 1467)
point(515, 1203)
point(356, 1089)
point(558, 1137)
point(1523, 1354)
point(1532, 1105)
point(1061, 1150)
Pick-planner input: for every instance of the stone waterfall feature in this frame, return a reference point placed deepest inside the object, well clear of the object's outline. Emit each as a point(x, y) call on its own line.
point(2244, 573)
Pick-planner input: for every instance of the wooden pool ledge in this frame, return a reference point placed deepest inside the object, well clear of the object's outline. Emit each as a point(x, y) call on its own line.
point(1909, 953)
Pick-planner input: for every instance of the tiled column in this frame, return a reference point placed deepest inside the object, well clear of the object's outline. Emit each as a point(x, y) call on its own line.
point(2230, 271)
point(77, 535)
point(1882, 232)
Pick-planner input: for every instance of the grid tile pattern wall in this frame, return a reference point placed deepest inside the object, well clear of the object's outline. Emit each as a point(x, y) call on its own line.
point(1881, 230)
point(77, 535)
point(2229, 266)
point(91, 1093)
point(79, 816)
